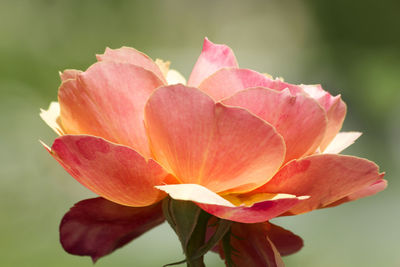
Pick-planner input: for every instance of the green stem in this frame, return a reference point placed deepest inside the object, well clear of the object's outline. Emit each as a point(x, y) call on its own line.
point(197, 241)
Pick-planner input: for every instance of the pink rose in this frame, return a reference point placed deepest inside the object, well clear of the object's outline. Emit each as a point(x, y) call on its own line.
point(241, 145)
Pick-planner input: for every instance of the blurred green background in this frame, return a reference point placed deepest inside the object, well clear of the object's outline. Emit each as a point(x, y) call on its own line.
point(351, 47)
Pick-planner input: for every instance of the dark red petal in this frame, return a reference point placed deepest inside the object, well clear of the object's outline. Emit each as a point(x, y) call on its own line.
point(285, 241)
point(253, 247)
point(96, 227)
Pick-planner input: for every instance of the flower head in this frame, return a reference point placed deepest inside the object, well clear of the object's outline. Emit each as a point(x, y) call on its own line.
point(241, 145)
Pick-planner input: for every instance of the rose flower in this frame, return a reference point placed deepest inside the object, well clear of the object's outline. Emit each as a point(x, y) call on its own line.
point(241, 145)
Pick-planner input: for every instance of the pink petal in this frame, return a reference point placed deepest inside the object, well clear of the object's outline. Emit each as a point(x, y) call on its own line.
point(335, 110)
point(325, 178)
point(259, 212)
point(279, 85)
point(334, 106)
point(226, 82)
point(200, 142)
point(114, 172)
point(341, 142)
point(131, 56)
point(299, 119)
point(252, 246)
point(96, 227)
point(336, 114)
point(108, 101)
point(212, 58)
point(367, 191)
point(317, 92)
point(222, 208)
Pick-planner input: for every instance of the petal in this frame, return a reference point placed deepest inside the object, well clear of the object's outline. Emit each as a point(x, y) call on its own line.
point(163, 65)
point(341, 142)
point(194, 192)
point(252, 246)
point(367, 191)
point(174, 77)
point(52, 117)
point(258, 212)
point(299, 119)
point(200, 142)
point(336, 114)
point(69, 74)
point(222, 208)
point(334, 106)
point(285, 241)
point(96, 227)
point(335, 111)
point(325, 178)
point(131, 56)
point(317, 92)
point(212, 58)
point(226, 82)
point(279, 84)
point(114, 172)
point(108, 101)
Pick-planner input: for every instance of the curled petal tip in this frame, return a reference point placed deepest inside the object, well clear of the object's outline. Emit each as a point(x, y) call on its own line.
point(44, 145)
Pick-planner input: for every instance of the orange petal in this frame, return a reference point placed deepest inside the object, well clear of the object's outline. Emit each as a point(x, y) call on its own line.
point(218, 206)
point(222, 148)
point(131, 56)
point(299, 119)
point(108, 101)
point(325, 178)
point(212, 58)
point(341, 142)
point(112, 171)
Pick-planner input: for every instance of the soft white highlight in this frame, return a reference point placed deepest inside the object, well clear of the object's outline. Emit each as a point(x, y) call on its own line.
point(52, 117)
point(174, 77)
point(341, 142)
point(194, 192)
